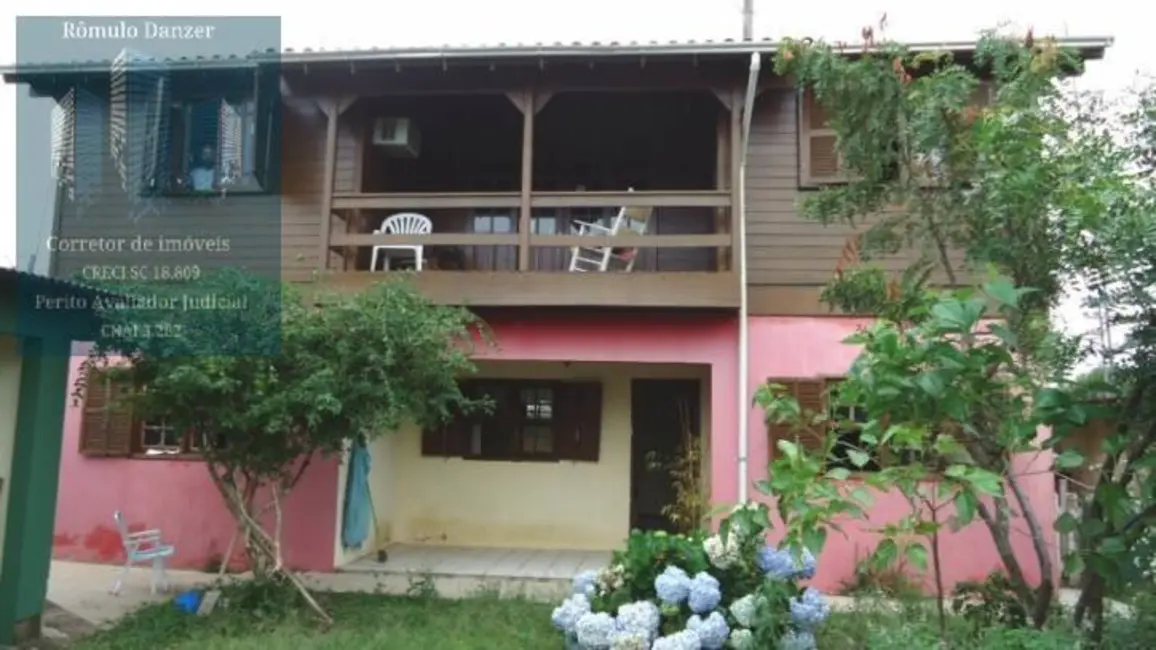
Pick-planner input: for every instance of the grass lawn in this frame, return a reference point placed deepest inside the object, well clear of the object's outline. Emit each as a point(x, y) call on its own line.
point(273, 619)
point(362, 621)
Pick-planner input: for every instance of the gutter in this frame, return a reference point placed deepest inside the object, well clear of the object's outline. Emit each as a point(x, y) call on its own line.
point(1091, 48)
point(744, 403)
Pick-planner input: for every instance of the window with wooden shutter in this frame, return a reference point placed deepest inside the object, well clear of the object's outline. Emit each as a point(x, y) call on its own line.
point(810, 394)
point(819, 160)
point(531, 420)
point(106, 427)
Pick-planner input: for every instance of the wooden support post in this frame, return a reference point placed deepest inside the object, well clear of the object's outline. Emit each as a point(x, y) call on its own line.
point(736, 151)
point(333, 107)
point(529, 109)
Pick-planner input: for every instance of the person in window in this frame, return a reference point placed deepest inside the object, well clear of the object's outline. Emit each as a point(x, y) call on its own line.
point(204, 170)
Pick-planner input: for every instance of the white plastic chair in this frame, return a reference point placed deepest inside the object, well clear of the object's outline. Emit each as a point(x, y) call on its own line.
point(139, 548)
point(403, 223)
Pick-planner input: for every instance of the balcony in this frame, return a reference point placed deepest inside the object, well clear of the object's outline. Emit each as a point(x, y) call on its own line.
point(482, 253)
point(507, 180)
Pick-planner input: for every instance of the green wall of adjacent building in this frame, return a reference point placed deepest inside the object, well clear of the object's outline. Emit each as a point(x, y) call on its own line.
point(35, 348)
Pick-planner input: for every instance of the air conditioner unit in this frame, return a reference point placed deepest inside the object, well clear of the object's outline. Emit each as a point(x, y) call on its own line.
point(398, 136)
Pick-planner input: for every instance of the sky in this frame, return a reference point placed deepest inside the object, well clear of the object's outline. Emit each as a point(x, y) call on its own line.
point(344, 23)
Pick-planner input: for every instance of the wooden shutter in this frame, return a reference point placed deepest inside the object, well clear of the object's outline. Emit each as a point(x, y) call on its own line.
point(106, 427)
point(819, 160)
point(812, 398)
point(578, 431)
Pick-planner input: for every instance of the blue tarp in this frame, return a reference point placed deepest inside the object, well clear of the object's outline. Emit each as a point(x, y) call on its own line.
point(358, 505)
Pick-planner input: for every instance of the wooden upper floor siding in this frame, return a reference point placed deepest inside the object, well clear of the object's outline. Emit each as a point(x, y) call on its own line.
point(788, 258)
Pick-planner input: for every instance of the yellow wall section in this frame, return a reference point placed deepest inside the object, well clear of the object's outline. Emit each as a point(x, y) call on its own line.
point(564, 505)
point(9, 400)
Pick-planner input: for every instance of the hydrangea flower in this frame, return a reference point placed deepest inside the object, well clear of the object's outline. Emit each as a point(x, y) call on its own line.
point(627, 640)
point(810, 609)
point(672, 586)
point(743, 610)
point(723, 554)
point(641, 618)
point(595, 630)
point(795, 640)
point(610, 579)
point(742, 639)
point(781, 564)
point(583, 583)
point(566, 615)
point(712, 631)
point(704, 593)
point(684, 640)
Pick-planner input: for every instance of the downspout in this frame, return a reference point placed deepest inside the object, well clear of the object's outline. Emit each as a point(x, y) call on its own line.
point(744, 404)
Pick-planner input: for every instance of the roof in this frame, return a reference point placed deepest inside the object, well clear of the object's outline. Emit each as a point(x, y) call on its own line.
point(9, 275)
point(1091, 47)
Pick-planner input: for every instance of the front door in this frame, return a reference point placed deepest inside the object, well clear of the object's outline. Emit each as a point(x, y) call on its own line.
point(663, 413)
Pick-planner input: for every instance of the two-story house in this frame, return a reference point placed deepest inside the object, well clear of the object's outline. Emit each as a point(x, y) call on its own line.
point(586, 199)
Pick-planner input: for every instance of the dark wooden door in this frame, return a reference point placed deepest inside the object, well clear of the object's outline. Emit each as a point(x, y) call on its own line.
point(657, 430)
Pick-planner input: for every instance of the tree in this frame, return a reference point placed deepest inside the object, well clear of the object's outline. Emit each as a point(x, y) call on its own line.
point(270, 382)
point(1016, 183)
point(1119, 261)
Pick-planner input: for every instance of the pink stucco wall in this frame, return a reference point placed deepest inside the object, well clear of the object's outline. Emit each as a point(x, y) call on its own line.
point(796, 347)
point(178, 498)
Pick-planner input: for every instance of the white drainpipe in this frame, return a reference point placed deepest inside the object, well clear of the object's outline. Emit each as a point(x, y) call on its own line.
point(744, 400)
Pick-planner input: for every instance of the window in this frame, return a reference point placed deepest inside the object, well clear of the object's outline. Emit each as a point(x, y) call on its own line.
point(204, 133)
point(815, 396)
point(109, 428)
point(217, 145)
point(820, 162)
point(530, 421)
point(847, 423)
point(161, 439)
point(493, 221)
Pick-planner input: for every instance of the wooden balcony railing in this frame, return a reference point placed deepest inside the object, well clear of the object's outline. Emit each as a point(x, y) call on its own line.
point(485, 249)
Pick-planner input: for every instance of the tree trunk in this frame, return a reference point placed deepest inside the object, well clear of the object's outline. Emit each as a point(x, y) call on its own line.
point(998, 528)
point(1046, 590)
point(264, 549)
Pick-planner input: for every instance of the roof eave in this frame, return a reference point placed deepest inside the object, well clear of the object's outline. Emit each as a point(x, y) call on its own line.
point(1089, 48)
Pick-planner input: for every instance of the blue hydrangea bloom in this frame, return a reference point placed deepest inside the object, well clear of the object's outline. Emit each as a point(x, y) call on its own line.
point(684, 640)
point(595, 630)
point(794, 640)
point(810, 609)
point(641, 618)
point(712, 631)
point(775, 563)
point(704, 593)
point(584, 583)
point(672, 586)
point(566, 615)
point(743, 610)
point(781, 564)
